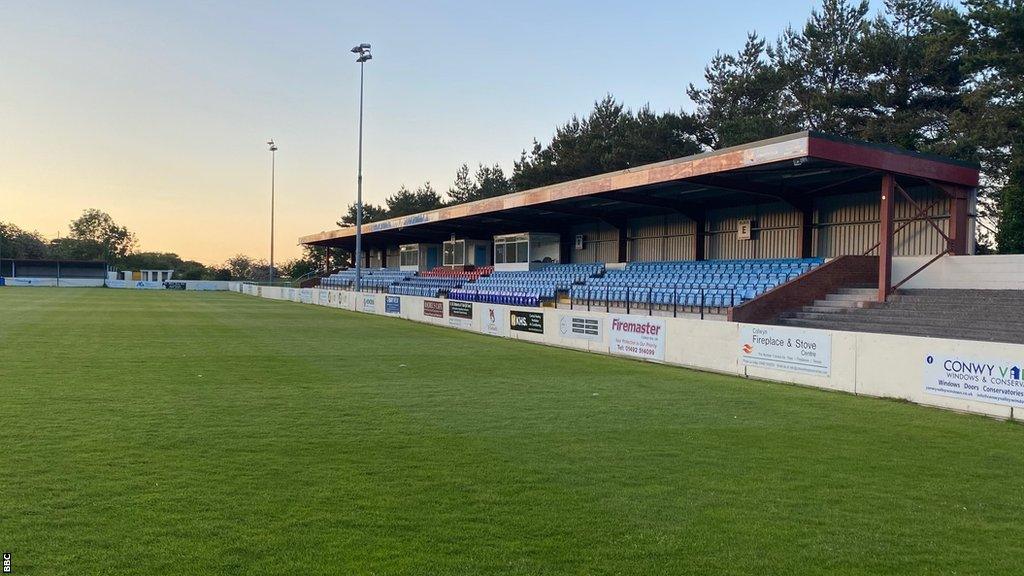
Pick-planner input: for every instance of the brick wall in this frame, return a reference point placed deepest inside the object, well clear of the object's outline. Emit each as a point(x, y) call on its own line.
point(841, 272)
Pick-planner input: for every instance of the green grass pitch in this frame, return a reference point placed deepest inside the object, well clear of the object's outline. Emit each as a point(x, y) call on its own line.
point(212, 433)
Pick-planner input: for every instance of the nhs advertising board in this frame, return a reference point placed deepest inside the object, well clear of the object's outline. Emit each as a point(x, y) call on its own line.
point(985, 380)
point(789, 349)
point(521, 321)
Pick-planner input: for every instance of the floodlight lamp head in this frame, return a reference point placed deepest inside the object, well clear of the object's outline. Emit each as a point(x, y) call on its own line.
point(364, 58)
point(273, 147)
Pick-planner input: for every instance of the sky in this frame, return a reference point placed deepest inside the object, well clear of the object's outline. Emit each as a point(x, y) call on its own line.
point(158, 112)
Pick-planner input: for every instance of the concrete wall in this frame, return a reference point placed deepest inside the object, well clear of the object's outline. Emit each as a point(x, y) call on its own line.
point(996, 272)
point(880, 365)
point(54, 282)
point(204, 285)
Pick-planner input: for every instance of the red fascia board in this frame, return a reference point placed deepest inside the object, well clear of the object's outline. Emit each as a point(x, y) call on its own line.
point(868, 156)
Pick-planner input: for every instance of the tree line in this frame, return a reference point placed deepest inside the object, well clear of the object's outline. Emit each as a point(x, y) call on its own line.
point(96, 236)
point(922, 75)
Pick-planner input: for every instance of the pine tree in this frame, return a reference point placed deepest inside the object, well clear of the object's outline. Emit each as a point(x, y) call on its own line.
point(994, 121)
point(912, 61)
point(824, 86)
point(743, 100)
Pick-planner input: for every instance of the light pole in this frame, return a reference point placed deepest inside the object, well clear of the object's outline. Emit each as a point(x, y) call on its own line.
point(363, 50)
point(273, 162)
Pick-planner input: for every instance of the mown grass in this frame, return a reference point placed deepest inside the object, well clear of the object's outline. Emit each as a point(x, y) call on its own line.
point(212, 433)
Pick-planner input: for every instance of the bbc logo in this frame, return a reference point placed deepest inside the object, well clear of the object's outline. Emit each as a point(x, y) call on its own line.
point(7, 562)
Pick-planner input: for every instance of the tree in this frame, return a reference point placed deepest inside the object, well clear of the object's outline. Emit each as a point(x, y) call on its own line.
point(151, 261)
point(240, 266)
point(994, 120)
point(609, 138)
point(488, 182)
point(913, 68)
point(192, 270)
point(98, 230)
point(217, 273)
point(464, 189)
point(18, 243)
point(326, 257)
point(744, 98)
point(371, 213)
point(407, 201)
point(76, 249)
point(299, 267)
point(825, 87)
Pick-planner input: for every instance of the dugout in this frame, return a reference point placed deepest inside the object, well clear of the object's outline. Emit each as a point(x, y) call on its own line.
point(38, 268)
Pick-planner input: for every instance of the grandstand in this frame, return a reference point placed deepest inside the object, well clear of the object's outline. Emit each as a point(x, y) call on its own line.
point(527, 288)
point(715, 284)
point(756, 233)
point(371, 278)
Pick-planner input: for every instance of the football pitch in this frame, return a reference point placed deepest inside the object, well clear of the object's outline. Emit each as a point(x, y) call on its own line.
point(214, 433)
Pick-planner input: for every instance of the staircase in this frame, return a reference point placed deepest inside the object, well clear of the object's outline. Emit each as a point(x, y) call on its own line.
point(989, 315)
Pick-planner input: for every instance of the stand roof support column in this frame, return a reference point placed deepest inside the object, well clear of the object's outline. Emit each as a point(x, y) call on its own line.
point(885, 237)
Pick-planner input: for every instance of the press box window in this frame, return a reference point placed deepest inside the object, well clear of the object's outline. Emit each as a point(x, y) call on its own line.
point(455, 253)
point(409, 255)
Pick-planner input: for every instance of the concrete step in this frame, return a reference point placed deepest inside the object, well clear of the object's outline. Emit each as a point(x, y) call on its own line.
point(855, 297)
point(959, 334)
point(835, 303)
point(965, 296)
point(985, 315)
point(884, 316)
point(962, 299)
point(867, 293)
point(937, 293)
point(958, 316)
point(825, 309)
point(948, 307)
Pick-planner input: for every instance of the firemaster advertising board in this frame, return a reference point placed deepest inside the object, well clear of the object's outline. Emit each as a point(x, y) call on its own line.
point(637, 336)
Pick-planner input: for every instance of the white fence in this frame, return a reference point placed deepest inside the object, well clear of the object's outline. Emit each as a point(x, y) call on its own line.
point(979, 377)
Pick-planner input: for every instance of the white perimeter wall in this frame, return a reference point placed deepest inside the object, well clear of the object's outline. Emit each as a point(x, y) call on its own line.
point(54, 282)
point(881, 365)
point(114, 283)
point(995, 272)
